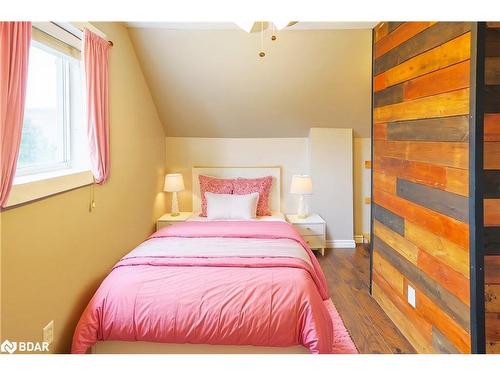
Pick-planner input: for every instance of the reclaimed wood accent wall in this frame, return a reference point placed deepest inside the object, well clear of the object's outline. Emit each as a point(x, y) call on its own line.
point(421, 79)
point(492, 188)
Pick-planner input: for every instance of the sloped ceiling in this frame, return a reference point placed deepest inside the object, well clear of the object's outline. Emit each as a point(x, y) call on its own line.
point(212, 83)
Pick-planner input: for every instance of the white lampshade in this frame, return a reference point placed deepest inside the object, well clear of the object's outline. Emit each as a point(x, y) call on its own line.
point(301, 184)
point(174, 182)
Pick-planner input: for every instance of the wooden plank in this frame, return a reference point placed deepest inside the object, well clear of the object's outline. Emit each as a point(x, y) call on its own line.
point(446, 301)
point(453, 52)
point(384, 182)
point(457, 181)
point(492, 47)
point(417, 331)
point(441, 343)
point(379, 82)
point(442, 129)
point(399, 36)
point(449, 204)
point(492, 127)
point(380, 31)
point(491, 155)
point(492, 297)
point(447, 154)
point(450, 279)
point(411, 170)
point(492, 183)
point(393, 277)
point(441, 225)
point(401, 245)
point(491, 102)
point(450, 78)
point(389, 219)
point(380, 131)
point(491, 240)
point(431, 38)
point(492, 212)
point(390, 95)
point(492, 326)
point(492, 269)
point(449, 328)
point(492, 71)
point(493, 347)
point(449, 179)
point(442, 105)
point(449, 253)
point(393, 26)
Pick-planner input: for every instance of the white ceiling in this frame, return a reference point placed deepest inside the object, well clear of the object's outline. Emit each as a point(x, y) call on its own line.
point(232, 26)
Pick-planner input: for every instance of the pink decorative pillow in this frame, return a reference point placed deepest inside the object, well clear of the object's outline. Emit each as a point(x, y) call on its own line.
point(260, 185)
point(213, 185)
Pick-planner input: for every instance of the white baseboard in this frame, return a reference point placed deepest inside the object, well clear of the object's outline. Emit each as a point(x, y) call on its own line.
point(332, 244)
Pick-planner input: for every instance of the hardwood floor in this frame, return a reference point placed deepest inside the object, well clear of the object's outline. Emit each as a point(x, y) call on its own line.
point(347, 272)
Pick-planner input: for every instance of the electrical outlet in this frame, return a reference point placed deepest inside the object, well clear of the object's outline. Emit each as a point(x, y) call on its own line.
point(412, 300)
point(48, 332)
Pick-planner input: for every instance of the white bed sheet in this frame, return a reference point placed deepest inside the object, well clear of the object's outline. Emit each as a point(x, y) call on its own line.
point(275, 216)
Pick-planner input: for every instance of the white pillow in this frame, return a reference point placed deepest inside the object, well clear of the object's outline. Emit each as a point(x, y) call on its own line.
point(231, 206)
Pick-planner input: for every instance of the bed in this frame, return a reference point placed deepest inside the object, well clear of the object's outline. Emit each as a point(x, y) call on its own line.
point(213, 287)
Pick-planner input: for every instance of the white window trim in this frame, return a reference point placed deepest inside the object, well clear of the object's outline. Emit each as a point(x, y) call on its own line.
point(32, 187)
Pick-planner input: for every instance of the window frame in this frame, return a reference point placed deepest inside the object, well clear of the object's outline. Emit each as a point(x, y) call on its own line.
point(63, 117)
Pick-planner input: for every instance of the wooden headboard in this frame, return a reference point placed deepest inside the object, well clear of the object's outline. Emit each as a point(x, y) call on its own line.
point(233, 172)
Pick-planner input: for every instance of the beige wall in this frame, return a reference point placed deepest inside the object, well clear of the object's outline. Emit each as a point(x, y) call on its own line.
point(183, 153)
point(332, 162)
point(209, 83)
point(54, 252)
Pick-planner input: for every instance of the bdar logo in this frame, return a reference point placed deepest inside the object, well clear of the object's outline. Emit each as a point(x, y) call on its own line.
point(8, 347)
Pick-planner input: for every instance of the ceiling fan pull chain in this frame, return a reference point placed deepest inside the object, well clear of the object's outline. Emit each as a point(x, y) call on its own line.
point(273, 37)
point(262, 53)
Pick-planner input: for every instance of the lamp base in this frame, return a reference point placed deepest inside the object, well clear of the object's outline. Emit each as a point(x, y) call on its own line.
point(175, 205)
point(302, 211)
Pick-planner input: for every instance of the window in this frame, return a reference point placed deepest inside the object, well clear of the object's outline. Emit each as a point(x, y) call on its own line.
point(53, 136)
point(54, 154)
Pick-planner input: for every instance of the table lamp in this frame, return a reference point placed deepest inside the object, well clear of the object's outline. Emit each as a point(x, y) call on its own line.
point(301, 185)
point(173, 184)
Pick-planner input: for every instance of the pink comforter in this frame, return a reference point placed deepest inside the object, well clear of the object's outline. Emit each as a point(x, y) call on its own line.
point(226, 300)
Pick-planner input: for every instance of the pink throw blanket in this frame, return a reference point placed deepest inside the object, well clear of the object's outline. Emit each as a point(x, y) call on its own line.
point(261, 300)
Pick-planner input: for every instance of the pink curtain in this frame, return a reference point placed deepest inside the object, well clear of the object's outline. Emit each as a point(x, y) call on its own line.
point(96, 56)
point(15, 40)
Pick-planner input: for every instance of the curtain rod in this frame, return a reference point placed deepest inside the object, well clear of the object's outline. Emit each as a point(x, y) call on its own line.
point(76, 36)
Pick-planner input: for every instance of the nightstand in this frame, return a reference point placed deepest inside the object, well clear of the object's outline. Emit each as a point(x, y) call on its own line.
point(168, 219)
point(312, 229)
